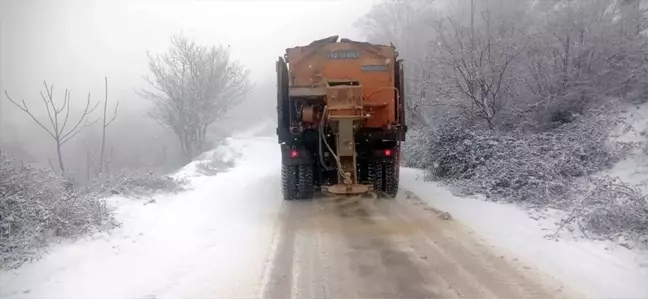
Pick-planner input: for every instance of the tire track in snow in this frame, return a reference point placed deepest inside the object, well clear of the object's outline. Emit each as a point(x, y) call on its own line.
point(390, 250)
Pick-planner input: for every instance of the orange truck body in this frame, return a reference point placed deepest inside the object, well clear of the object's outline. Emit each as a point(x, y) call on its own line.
point(340, 117)
point(372, 66)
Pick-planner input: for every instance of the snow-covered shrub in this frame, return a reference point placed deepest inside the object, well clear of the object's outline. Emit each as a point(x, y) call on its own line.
point(216, 163)
point(546, 168)
point(454, 151)
point(524, 167)
point(37, 206)
point(415, 152)
point(133, 183)
point(611, 209)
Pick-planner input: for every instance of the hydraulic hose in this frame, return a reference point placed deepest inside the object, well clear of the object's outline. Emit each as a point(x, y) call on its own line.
point(337, 159)
point(321, 154)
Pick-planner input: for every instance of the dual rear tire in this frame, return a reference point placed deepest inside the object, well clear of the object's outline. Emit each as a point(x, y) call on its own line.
point(297, 182)
point(383, 175)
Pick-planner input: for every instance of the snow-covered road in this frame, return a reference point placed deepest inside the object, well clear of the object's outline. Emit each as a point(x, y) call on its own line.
point(232, 236)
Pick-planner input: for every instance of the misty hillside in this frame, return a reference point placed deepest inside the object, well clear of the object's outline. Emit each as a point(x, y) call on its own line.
point(539, 104)
point(521, 102)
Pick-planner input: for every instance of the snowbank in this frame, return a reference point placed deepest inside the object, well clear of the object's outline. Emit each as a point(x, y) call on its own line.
point(634, 168)
point(598, 269)
point(209, 241)
point(227, 153)
point(601, 269)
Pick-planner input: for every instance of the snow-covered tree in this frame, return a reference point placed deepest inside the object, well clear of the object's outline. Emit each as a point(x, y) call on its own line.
point(192, 87)
point(517, 98)
point(408, 26)
point(473, 66)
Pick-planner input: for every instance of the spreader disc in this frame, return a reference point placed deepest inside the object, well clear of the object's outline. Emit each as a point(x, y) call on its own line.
point(342, 189)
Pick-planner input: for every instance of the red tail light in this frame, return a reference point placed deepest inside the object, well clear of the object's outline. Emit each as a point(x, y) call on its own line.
point(294, 153)
point(388, 152)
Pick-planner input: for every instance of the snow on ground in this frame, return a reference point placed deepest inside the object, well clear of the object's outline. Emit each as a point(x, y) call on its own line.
point(228, 151)
point(599, 269)
point(209, 241)
point(634, 168)
point(213, 239)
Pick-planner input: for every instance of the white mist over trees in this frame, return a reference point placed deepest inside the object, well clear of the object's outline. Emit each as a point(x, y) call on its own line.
point(558, 57)
point(75, 44)
point(512, 99)
point(214, 79)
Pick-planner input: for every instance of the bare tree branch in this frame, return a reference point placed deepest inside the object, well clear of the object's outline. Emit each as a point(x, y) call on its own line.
point(105, 125)
point(56, 130)
point(24, 108)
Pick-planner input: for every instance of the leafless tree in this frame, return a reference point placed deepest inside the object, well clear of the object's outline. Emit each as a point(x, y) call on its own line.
point(192, 87)
point(105, 125)
point(473, 66)
point(550, 77)
point(584, 53)
point(408, 26)
point(58, 117)
point(88, 165)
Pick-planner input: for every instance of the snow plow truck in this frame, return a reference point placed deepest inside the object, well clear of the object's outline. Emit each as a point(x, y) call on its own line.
point(341, 118)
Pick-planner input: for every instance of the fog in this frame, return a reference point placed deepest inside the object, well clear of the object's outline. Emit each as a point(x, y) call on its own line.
point(74, 44)
point(538, 104)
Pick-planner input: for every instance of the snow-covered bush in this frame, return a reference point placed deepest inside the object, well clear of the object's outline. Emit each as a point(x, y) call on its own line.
point(415, 150)
point(37, 206)
point(133, 183)
point(515, 166)
point(607, 208)
point(552, 168)
point(216, 163)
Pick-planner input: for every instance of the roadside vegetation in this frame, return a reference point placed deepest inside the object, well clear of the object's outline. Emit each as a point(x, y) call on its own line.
point(40, 205)
point(516, 101)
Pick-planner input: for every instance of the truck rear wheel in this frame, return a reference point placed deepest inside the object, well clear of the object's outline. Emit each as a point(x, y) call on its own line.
point(375, 173)
point(289, 178)
point(383, 175)
point(305, 186)
point(391, 179)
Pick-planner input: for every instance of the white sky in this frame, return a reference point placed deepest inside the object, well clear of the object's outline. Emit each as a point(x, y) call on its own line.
point(75, 43)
